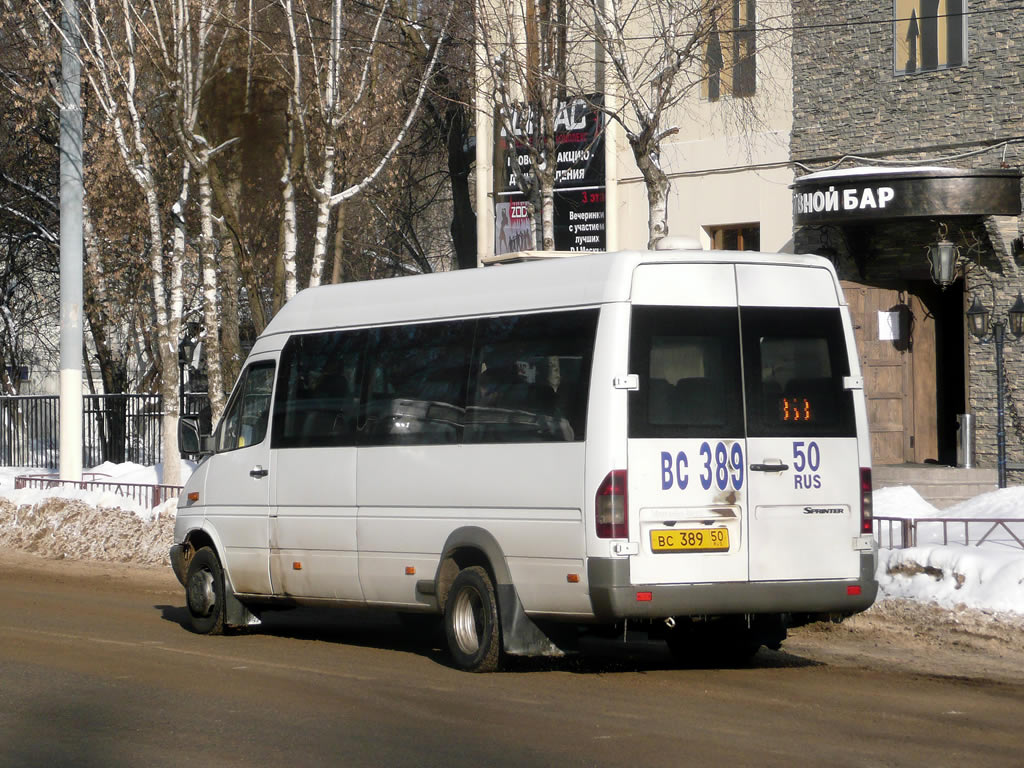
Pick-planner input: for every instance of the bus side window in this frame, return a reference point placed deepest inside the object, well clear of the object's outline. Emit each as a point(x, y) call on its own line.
point(318, 390)
point(532, 378)
point(417, 384)
point(245, 421)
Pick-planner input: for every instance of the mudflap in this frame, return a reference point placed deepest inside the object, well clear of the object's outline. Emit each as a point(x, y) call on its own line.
point(236, 614)
point(520, 636)
point(179, 556)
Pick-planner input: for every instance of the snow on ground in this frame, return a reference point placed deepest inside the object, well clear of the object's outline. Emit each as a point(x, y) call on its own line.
point(989, 577)
point(81, 524)
point(74, 523)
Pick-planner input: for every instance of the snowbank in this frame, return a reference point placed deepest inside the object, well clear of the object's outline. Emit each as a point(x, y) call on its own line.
point(987, 578)
point(69, 527)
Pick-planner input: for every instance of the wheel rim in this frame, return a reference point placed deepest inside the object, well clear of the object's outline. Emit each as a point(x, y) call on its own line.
point(201, 593)
point(468, 620)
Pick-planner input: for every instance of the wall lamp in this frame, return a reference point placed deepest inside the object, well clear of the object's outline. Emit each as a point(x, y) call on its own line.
point(942, 259)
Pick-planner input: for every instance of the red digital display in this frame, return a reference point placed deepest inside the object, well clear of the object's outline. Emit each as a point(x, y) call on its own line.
point(792, 409)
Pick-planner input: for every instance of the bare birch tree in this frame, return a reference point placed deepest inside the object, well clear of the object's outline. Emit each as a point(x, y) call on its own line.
point(188, 55)
point(113, 47)
point(321, 106)
point(663, 52)
point(522, 62)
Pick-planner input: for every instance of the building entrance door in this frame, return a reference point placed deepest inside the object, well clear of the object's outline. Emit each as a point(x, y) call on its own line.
point(895, 328)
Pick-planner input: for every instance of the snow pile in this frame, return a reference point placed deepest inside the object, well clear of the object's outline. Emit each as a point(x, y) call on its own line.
point(69, 527)
point(67, 522)
point(106, 472)
point(989, 578)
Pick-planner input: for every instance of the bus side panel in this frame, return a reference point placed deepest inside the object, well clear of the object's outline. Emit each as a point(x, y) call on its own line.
point(313, 528)
point(606, 416)
point(527, 496)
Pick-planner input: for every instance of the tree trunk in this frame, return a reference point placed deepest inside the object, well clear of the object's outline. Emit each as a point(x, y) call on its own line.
point(231, 345)
point(211, 312)
point(227, 197)
point(168, 326)
point(338, 271)
point(289, 218)
point(658, 186)
point(463, 218)
point(547, 192)
point(323, 219)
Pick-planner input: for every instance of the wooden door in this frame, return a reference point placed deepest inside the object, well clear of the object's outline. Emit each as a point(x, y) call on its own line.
point(887, 367)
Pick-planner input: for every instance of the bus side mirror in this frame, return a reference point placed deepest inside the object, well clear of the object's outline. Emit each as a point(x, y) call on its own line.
point(190, 441)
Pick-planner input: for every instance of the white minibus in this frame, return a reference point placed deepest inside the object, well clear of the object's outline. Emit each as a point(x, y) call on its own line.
point(671, 444)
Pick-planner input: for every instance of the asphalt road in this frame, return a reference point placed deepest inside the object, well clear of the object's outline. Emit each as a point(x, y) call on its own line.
point(96, 669)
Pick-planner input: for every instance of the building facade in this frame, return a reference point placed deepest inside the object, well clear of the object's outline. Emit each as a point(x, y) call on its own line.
point(869, 132)
point(919, 98)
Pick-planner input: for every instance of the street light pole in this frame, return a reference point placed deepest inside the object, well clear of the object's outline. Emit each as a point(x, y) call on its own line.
point(979, 323)
point(998, 331)
point(71, 195)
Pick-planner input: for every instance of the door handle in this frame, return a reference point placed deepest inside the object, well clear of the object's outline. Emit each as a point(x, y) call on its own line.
point(258, 471)
point(769, 467)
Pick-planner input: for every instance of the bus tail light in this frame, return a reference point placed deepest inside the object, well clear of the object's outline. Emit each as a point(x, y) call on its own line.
point(866, 515)
point(611, 506)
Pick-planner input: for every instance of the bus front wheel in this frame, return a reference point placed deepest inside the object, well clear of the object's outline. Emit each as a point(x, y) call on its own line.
point(204, 592)
point(471, 621)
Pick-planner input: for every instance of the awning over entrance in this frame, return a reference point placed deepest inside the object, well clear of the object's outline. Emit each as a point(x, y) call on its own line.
point(881, 194)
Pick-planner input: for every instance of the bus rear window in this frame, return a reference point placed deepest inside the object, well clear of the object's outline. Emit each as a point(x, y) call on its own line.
point(794, 363)
point(688, 363)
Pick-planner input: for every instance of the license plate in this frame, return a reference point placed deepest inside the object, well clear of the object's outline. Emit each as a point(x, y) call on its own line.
point(691, 540)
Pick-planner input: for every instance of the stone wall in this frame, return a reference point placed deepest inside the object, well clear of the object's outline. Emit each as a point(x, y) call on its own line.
point(848, 102)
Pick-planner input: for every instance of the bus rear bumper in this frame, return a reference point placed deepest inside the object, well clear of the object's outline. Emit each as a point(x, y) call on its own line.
point(613, 596)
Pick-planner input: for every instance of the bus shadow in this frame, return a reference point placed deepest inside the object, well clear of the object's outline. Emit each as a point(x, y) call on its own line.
point(649, 656)
point(423, 635)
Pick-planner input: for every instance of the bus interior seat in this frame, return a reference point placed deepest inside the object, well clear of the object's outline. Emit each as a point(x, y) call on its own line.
point(660, 402)
point(698, 400)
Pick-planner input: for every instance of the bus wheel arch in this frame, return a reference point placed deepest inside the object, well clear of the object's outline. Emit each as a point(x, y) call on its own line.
point(466, 548)
point(210, 598)
point(473, 547)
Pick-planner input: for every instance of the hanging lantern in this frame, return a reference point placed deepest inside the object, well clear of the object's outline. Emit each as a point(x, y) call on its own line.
point(1017, 317)
point(978, 317)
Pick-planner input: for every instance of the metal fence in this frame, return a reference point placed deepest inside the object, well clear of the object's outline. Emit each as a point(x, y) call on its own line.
point(115, 428)
point(146, 494)
point(900, 532)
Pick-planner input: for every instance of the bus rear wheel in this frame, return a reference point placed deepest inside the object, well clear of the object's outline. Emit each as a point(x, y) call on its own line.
point(471, 623)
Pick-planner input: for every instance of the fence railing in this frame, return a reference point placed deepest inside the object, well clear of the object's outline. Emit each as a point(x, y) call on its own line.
point(146, 494)
point(115, 428)
point(901, 532)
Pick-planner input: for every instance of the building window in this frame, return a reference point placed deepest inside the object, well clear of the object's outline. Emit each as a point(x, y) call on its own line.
point(928, 35)
point(730, 66)
point(739, 237)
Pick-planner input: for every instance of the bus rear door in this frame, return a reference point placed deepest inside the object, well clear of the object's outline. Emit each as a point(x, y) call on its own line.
point(686, 449)
point(803, 469)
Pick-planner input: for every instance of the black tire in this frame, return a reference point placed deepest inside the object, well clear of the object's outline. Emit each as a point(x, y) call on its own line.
point(204, 592)
point(471, 622)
